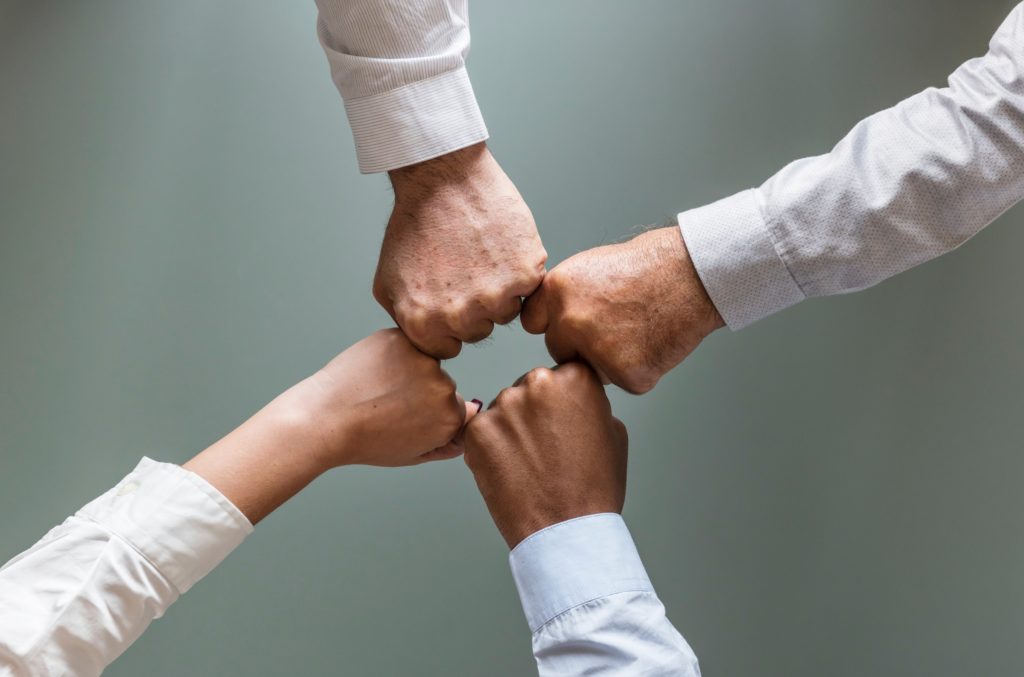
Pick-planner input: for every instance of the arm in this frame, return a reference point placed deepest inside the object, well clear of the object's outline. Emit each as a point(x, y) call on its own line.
point(550, 462)
point(461, 247)
point(906, 185)
point(79, 597)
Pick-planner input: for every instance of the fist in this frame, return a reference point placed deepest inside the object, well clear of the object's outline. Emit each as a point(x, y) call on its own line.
point(633, 311)
point(383, 402)
point(460, 251)
point(547, 450)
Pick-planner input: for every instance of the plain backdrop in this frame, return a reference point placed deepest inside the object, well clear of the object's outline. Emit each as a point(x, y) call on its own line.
point(183, 233)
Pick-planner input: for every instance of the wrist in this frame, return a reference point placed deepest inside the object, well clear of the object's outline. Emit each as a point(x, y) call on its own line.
point(455, 168)
point(322, 428)
point(518, 530)
point(672, 256)
point(265, 461)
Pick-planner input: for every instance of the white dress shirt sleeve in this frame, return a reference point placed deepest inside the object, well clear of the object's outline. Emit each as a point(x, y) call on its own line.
point(906, 185)
point(590, 605)
point(400, 66)
point(79, 597)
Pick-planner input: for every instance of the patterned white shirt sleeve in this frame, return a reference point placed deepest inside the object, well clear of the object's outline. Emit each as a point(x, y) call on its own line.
point(79, 597)
point(590, 605)
point(906, 185)
point(400, 66)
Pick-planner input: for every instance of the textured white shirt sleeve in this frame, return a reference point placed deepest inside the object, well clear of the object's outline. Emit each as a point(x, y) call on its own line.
point(906, 185)
point(79, 597)
point(590, 605)
point(400, 66)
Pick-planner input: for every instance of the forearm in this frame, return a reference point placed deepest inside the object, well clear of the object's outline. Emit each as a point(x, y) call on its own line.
point(906, 185)
point(133, 551)
point(269, 458)
point(87, 590)
point(400, 68)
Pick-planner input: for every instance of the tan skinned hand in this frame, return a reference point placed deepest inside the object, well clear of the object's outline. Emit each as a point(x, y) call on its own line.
point(547, 450)
point(633, 311)
point(460, 251)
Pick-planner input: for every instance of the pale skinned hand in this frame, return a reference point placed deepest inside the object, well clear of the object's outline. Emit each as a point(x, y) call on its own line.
point(547, 450)
point(633, 310)
point(381, 402)
point(460, 251)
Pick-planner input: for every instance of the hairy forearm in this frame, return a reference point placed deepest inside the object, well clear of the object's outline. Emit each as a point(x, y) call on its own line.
point(457, 167)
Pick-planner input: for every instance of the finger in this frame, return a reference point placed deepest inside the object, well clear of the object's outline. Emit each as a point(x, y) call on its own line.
point(535, 311)
point(472, 331)
point(578, 368)
point(438, 347)
point(428, 333)
point(574, 356)
point(519, 381)
point(507, 310)
point(621, 433)
point(454, 448)
point(601, 375)
point(384, 300)
point(472, 408)
point(560, 348)
point(445, 453)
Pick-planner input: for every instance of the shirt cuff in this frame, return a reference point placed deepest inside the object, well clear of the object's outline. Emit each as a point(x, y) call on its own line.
point(733, 251)
point(175, 518)
point(571, 563)
point(416, 122)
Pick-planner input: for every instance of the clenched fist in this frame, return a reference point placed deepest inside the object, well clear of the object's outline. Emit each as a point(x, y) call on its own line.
point(383, 402)
point(633, 310)
point(460, 251)
point(547, 450)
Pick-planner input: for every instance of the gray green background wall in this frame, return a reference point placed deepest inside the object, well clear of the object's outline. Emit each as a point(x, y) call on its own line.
point(183, 233)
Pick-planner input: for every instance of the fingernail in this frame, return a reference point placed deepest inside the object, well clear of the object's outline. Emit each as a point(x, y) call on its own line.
point(478, 403)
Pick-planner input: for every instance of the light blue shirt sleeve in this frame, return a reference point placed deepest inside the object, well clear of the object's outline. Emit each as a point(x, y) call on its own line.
point(590, 605)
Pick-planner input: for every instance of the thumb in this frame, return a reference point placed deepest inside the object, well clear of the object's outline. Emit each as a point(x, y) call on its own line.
point(472, 408)
point(534, 316)
point(454, 448)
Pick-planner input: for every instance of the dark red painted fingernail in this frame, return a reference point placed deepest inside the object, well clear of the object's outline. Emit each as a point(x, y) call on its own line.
point(479, 405)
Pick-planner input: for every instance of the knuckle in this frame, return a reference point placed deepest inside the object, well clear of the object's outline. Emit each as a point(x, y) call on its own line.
point(578, 323)
point(507, 397)
point(457, 311)
point(637, 383)
point(539, 376)
point(542, 260)
point(445, 382)
point(532, 276)
point(380, 294)
point(481, 331)
point(576, 371)
point(414, 321)
point(556, 280)
point(621, 431)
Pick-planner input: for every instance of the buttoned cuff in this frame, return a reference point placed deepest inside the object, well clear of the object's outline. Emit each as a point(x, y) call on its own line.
point(415, 122)
point(175, 518)
point(575, 562)
point(734, 254)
